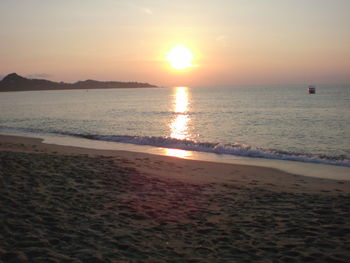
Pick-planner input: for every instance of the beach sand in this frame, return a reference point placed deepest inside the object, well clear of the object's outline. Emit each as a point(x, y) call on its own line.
point(69, 204)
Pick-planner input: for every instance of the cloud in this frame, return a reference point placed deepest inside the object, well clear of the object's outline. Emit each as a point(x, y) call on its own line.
point(38, 76)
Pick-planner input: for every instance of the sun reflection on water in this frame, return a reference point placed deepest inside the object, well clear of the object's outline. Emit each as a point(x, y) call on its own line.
point(179, 124)
point(177, 153)
point(181, 100)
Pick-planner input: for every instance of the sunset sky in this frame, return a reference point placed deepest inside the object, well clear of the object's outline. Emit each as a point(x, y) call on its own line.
point(233, 42)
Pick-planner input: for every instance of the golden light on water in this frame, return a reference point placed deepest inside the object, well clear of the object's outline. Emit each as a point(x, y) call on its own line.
point(179, 124)
point(177, 153)
point(181, 100)
point(179, 127)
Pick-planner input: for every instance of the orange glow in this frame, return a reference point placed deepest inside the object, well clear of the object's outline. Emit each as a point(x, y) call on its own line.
point(179, 125)
point(180, 57)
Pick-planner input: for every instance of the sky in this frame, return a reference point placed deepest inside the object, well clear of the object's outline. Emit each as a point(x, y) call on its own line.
point(234, 42)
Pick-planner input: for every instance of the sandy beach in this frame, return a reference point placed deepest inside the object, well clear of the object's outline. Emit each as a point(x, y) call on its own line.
point(69, 204)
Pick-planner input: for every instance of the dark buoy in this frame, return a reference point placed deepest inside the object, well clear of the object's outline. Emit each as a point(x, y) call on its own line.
point(312, 89)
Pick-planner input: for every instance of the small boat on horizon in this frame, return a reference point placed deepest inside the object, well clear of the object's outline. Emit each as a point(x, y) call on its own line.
point(312, 89)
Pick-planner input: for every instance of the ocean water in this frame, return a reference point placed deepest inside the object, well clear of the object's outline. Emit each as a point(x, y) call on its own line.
point(265, 122)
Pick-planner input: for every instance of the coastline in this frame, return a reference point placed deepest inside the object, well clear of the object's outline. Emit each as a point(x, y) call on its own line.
point(63, 203)
point(158, 165)
point(309, 169)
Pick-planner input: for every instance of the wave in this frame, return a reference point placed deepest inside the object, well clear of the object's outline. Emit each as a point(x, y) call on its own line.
point(236, 149)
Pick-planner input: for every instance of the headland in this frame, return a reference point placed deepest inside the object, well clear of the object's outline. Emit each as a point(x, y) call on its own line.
point(15, 82)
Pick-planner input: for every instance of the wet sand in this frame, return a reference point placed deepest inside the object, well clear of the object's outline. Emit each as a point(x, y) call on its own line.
point(69, 204)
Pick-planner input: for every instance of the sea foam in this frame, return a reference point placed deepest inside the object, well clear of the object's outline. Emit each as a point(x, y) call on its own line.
point(236, 149)
point(222, 148)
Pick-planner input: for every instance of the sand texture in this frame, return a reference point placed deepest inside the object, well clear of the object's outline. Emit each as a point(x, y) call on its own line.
point(67, 206)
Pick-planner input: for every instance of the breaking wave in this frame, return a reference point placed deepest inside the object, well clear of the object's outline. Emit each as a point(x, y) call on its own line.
point(236, 149)
point(221, 148)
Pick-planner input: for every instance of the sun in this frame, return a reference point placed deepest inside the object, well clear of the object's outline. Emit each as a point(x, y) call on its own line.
point(180, 57)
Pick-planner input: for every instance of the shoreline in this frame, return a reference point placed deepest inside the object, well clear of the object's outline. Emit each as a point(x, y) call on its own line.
point(71, 204)
point(309, 169)
point(157, 165)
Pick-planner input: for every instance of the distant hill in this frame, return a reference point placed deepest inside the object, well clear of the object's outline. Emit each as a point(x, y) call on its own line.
point(14, 82)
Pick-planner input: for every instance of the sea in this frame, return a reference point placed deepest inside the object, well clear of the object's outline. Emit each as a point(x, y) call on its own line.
point(253, 124)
